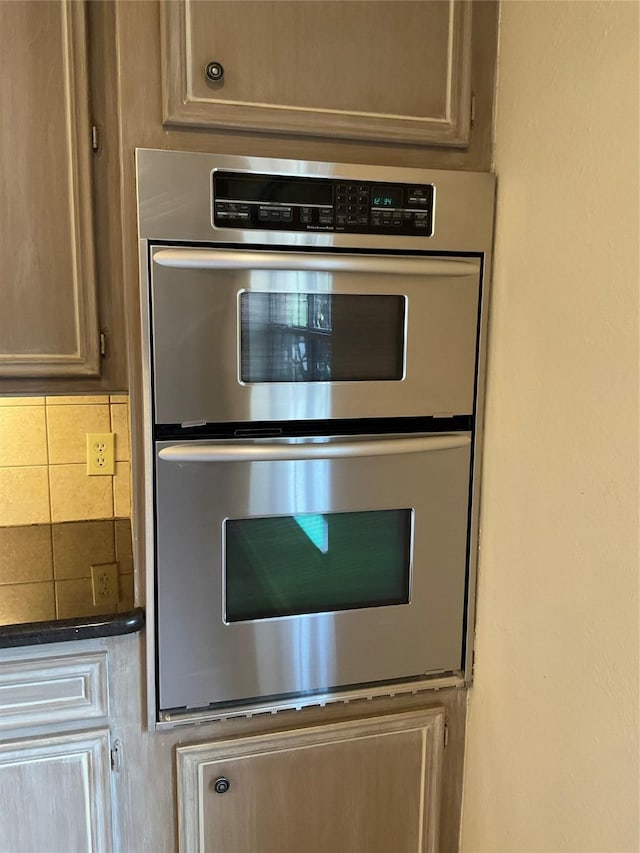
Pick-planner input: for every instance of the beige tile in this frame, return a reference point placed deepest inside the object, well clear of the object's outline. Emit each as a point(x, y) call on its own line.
point(24, 496)
point(122, 490)
point(75, 598)
point(124, 545)
point(27, 602)
point(78, 545)
point(119, 398)
point(78, 400)
point(67, 428)
point(21, 401)
point(25, 554)
point(22, 436)
point(127, 594)
point(120, 426)
point(75, 496)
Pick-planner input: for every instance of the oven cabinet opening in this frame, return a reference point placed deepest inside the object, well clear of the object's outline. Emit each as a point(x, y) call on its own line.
point(242, 336)
point(287, 566)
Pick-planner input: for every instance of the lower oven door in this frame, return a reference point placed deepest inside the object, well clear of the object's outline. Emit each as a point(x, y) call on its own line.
point(286, 566)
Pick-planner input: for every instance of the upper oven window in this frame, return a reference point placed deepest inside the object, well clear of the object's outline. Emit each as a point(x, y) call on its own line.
point(321, 337)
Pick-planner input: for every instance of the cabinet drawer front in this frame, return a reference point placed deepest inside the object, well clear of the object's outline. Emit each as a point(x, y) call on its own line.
point(39, 691)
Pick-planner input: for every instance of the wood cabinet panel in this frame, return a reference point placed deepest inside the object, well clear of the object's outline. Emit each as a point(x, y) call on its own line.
point(396, 70)
point(364, 785)
point(55, 794)
point(48, 305)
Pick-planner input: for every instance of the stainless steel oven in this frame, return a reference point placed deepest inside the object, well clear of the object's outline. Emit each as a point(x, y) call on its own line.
point(313, 348)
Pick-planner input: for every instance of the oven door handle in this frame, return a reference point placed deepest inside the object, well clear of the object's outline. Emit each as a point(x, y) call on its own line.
point(229, 259)
point(264, 451)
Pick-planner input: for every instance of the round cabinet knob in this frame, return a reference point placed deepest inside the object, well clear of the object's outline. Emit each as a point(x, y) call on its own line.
point(221, 785)
point(214, 72)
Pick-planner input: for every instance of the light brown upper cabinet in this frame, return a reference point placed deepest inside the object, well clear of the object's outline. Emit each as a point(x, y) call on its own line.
point(48, 305)
point(380, 70)
point(50, 300)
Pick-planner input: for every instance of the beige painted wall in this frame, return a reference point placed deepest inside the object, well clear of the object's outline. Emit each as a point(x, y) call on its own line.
point(552, 747)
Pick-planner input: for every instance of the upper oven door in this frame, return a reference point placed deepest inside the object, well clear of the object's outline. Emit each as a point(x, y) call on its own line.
point(240, 335)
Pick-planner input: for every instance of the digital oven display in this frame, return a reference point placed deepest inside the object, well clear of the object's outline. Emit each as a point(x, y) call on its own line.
point(386, 197)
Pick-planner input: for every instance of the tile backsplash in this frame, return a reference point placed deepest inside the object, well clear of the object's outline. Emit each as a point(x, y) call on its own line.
point(45, 569)
point(43, 459)
point(55, 520)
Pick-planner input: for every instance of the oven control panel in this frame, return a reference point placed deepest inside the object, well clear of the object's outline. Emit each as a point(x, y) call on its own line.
point(285, 203)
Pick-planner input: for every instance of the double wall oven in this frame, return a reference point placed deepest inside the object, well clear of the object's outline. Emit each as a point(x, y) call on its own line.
point(313, 368)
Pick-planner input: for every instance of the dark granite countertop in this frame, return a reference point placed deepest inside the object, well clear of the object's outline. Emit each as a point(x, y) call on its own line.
point(79, 628)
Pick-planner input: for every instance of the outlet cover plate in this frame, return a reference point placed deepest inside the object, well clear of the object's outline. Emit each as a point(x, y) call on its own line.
point(104, 585)
point(100, 453)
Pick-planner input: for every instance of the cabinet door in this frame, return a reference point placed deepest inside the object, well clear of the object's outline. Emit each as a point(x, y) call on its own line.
point(48, 314)
point(55, 794)
point(363, 786)
point(391, 70)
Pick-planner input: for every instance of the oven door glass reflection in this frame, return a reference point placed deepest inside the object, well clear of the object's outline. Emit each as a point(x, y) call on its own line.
point(321, 337)
point(297, 564)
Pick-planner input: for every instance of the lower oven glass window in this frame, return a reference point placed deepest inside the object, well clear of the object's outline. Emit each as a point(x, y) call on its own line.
point(297, 564)
point(321, 337)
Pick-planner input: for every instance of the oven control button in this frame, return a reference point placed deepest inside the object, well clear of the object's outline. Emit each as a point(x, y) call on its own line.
point(305, 215)
point(287, 215)
point(419, 195)
point(274, 216)
point(263, 214)
point(422, 220)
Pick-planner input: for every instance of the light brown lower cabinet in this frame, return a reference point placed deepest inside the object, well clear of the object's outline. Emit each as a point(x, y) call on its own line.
point(364, 786)
point(55, 751)
point(55, 794)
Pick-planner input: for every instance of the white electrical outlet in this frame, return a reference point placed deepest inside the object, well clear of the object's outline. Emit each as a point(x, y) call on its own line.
point(104, 582)
point(100, 453)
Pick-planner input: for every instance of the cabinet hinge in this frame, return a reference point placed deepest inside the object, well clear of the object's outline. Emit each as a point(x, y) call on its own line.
point(103, 344)
point(95, 137)
point(116, 755)
point(473, 107)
